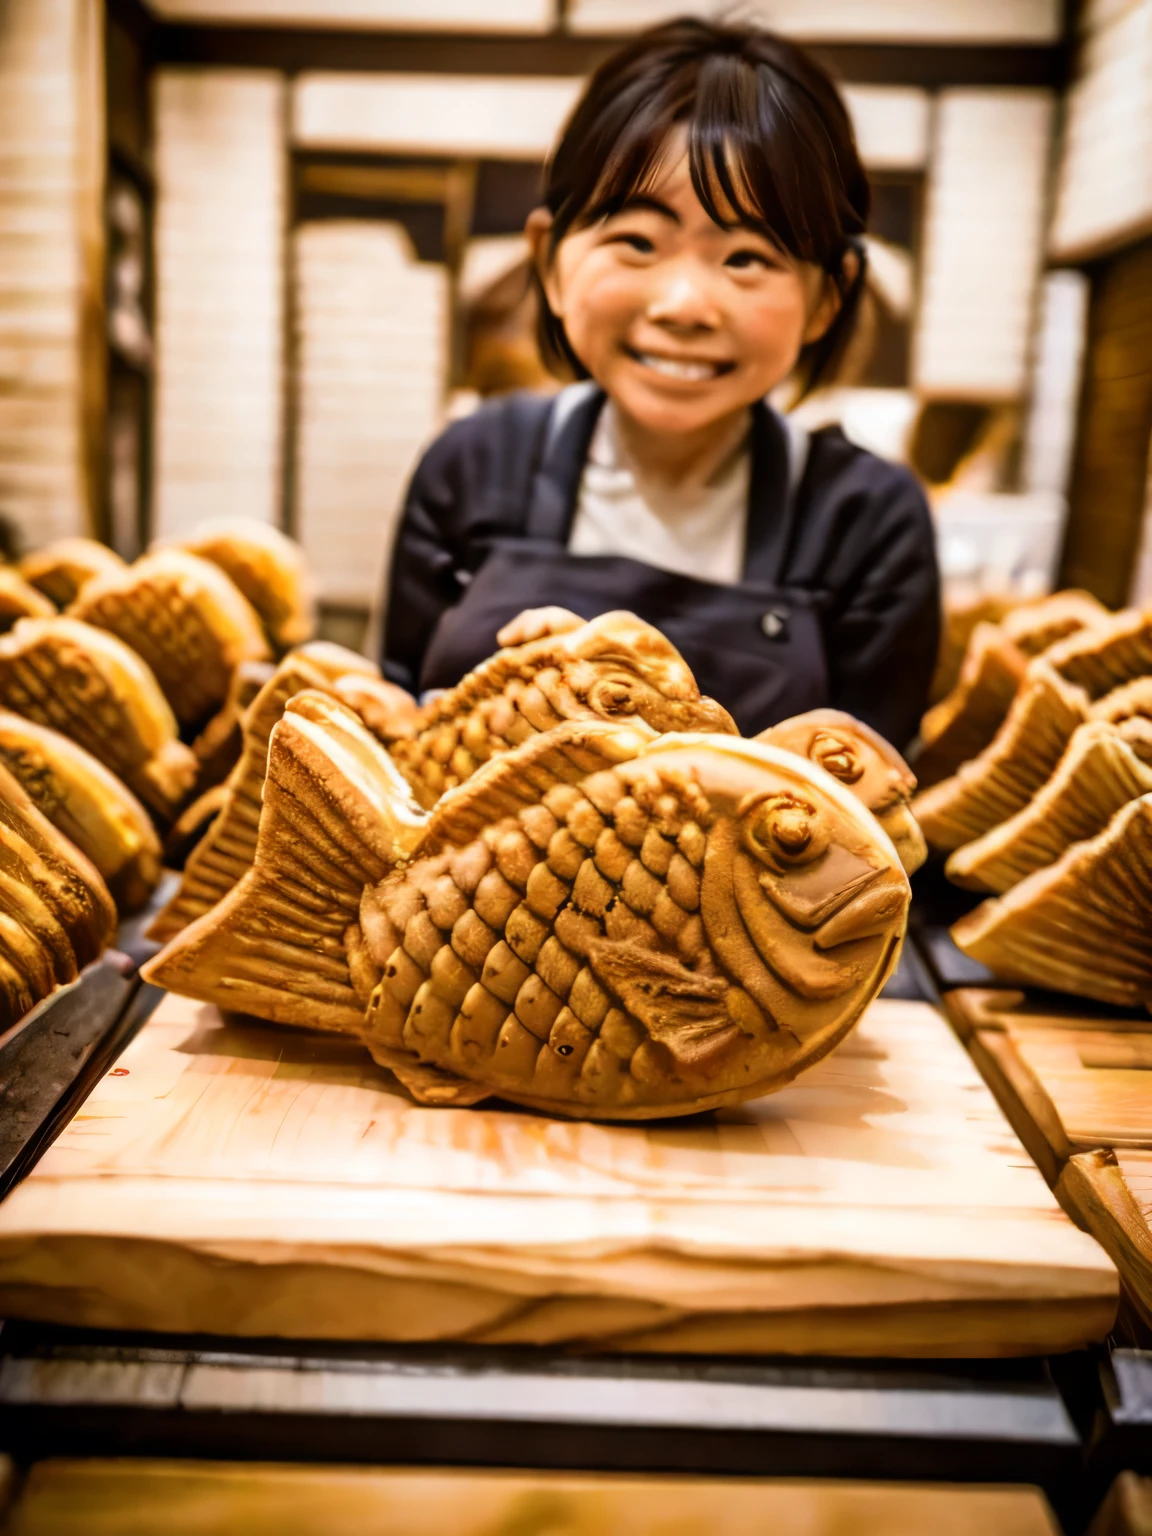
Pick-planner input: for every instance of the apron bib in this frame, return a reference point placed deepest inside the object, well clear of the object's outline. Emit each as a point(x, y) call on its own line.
point(755, 646)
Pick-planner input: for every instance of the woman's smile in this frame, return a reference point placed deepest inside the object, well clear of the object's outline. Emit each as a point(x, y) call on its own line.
point(683, 370)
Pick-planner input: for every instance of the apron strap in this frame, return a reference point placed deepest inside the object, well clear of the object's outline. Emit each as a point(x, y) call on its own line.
point(779, 459)
point(556, 482)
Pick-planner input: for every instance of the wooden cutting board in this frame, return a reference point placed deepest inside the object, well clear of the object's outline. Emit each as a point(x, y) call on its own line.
point(1076, 1083)
point(235, 1178)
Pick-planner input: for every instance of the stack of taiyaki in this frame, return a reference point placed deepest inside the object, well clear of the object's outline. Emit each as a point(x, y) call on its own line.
point(115, 712)
point(1052, 815)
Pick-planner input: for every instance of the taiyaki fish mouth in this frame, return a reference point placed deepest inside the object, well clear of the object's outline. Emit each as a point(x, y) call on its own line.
point(869, 908)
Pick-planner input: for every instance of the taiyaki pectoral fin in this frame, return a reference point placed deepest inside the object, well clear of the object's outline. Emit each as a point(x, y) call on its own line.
point(682, 1011)
point(336, 817)
point(427, 1084)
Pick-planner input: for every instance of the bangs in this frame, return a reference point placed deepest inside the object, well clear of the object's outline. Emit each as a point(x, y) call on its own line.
point(751, 156)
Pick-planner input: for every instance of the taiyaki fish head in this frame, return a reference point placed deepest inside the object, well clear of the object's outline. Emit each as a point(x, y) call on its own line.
point(622, 669)
point(862, 760)
point(803, 894)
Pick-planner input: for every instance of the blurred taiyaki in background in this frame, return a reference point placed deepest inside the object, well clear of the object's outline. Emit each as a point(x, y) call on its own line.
point(602, 922)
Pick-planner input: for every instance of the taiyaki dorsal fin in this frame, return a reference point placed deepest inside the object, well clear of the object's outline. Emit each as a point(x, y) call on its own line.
point(1082, 925)
point(1006, 775)
point(564, 755)
point(965, 721)
point(1100, 772)
point(228, 848)
point(1035, 626)
point(1106, 655)
point(336, 816)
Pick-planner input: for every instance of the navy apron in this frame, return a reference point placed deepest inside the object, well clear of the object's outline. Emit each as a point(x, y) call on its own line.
point(755, 646)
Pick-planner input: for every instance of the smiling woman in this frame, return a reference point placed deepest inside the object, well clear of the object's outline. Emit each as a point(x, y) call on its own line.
point(698, 245)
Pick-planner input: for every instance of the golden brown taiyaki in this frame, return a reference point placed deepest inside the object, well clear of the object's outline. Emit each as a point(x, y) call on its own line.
point(1081, 925)
point(864, 763)
point(90, 686)
point(89, 805)
point(57, 913)
point(269, 569)
point(18, 600)
point(187, 620)
point(602, 923)
point(616, 667)
point(61, 568)
point(1106, 764)
point(228, 847)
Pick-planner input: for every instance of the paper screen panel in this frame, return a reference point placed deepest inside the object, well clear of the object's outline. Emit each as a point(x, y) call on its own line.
point(1104, 189)
point(51, 259)
point(982, 242)
point(221, 188)
point(372, 352)
point(499, 117)
point(393, 15)
point(892, 21)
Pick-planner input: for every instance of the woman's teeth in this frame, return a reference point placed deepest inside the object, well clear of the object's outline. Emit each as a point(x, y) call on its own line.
point(695, 373)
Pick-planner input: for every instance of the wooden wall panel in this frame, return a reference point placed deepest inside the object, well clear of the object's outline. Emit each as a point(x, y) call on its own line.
point(221, 171)
point(1110, 468)
point(51, 264)
point(894, 21)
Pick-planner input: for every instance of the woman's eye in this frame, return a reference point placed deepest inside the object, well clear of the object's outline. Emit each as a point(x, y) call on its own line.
point(743, 261)
point(639, 243)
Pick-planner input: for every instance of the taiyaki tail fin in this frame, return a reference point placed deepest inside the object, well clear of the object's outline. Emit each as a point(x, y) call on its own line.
point(336, 816)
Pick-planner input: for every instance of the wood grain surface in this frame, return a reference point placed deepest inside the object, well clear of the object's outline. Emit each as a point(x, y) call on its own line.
point(182, 1498)
point(233, 1178)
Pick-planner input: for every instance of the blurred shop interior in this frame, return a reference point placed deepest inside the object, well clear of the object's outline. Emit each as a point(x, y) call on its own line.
point(254, 253)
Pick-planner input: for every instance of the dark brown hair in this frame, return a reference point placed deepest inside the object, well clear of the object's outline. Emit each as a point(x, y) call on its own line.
point(769, 140)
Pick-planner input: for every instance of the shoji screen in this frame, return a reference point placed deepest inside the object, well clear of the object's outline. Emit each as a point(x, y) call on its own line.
point(1104, 197)
point(372, 350)
point(51, 263)
point(221, 185)
point(987, 192)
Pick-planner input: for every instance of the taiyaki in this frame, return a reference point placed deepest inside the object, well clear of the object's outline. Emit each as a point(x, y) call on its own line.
point(962, 724)
point(18, 600)
point(218, 746)
point(1106, 765)
point(616, 667)
point(1081, 925)
point(57, 913)
point(61, 568)
point(602, 923)
point(269, 569)
point(228, 847)
point(188, 621)
point(864, 763)
point(91, 687)
point(89, 805)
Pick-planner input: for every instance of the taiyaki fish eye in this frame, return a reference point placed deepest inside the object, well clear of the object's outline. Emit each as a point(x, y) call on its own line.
point(613, 696)
point(837, 756)
point(784, 829)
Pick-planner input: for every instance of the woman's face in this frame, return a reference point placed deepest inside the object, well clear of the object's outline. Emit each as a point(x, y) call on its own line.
point(683, 323)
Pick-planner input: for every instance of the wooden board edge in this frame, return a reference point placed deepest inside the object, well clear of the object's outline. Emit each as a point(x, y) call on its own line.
point(1022, 1097)
point(1095, 1194)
